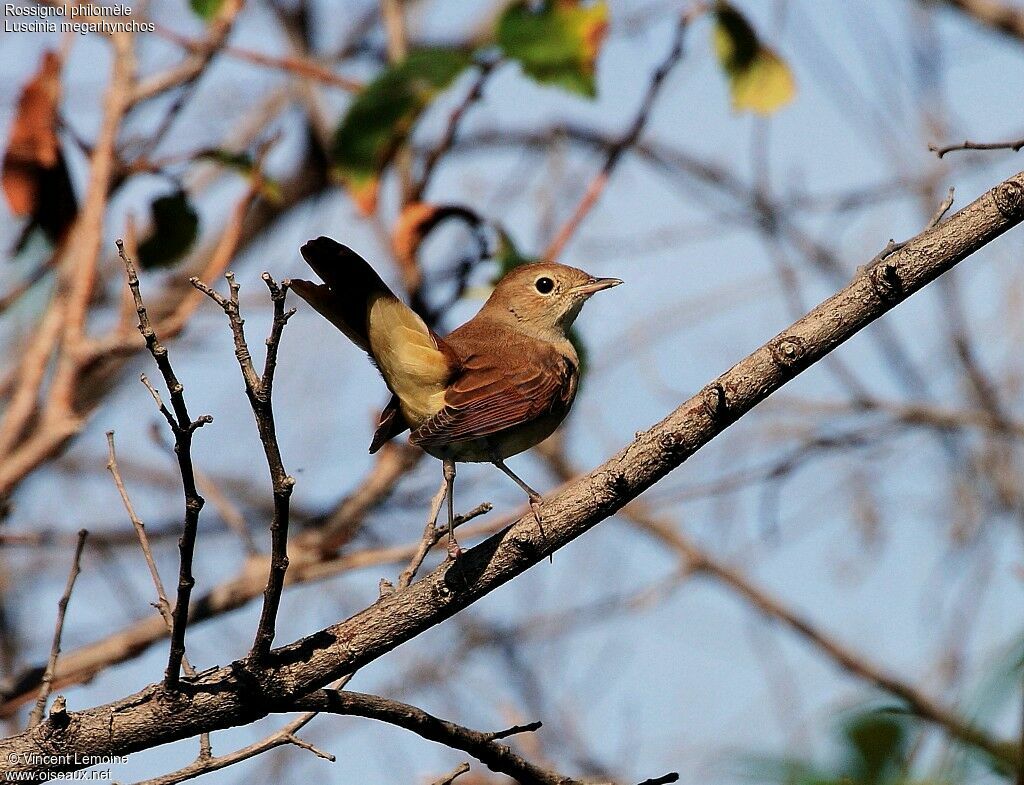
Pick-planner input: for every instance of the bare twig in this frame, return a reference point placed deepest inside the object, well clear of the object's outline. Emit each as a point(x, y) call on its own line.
point(285, 735)
point(62, 608)
point(944, 207)
point(306, 566)
point(163, 605)
point(429, 539)
point(892, 246)
point(183, 427)
point(259, 389)
point(432, 535)
point(449, 778)
point(227, 510)
point(433, 157)
point(38, 273)
point(1014, 145)
point(193, 66)
point(615, 152)
point(700, 561)
point(302, 67)
point(515, 730)
point(1002, 16)
point(392, 463)
point(482, 746)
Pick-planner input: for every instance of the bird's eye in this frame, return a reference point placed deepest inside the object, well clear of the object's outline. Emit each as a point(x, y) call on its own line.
point(544, 285)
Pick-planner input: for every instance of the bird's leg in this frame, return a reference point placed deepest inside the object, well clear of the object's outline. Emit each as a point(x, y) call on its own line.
point(448, 467)
point(536, 500)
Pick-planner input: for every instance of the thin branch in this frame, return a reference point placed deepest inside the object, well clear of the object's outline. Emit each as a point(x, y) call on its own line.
point(615, 152)
point(429, 539)
point(432, 534)
point(302, 67)
point(229, 696)
point(62, 608)
point(193, 66)
point(163, 605)
point(515, 730)
point(285, 735)
point(1014, 145)
point(433, 157)
point(259, 389)
point(698, 560)
point(1004, 17)
point(482, 746)
point(392, 463)
point(919, 703)
point(449, 778)
point(183, 427)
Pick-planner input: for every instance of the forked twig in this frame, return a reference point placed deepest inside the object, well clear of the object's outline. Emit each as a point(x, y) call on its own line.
point(259, 389)
point(432, 535)
point(182, 427)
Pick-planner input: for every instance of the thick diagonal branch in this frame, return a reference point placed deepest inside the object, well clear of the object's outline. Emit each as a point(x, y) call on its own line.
point(236, 695)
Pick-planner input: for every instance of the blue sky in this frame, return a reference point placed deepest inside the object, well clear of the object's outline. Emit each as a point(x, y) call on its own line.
point(691, 680)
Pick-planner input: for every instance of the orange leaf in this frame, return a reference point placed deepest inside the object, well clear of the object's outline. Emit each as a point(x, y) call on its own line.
point(364, 194)
point(414, 224)
point(33, 147)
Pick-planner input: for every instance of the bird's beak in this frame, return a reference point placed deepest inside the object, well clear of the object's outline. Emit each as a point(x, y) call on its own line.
point(595, 285)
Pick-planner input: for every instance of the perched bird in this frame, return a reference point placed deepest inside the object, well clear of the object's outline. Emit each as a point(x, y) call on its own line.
point(496, 386)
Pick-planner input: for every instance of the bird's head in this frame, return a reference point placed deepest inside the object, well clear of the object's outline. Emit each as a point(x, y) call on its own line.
point(544, 298)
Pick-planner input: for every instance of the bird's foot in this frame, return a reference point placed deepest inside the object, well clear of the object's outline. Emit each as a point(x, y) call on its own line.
point(536, 502)
point(454, 550)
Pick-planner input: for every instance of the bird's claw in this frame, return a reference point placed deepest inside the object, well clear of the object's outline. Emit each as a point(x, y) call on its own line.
point(454, 551)
point(536, 502)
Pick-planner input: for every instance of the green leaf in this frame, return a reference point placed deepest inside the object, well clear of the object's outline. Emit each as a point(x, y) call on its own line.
point(174, 230)
point(243, 164)
point(206, 9)
point(557, 43)
point(508, 255)
point(759, 80)
point(876, 744)
point(384, 113)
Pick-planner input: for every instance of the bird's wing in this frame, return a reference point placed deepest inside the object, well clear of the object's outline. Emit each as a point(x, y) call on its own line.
point(493, 392)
